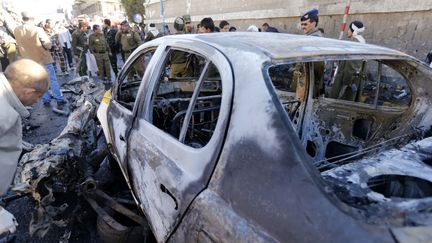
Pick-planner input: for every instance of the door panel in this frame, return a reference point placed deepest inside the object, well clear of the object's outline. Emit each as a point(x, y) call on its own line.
point(168, 174)
point(337, 127)
point(126, 100)
point(119, 120)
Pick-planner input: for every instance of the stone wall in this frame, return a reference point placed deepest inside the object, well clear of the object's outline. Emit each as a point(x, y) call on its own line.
point(400, 24)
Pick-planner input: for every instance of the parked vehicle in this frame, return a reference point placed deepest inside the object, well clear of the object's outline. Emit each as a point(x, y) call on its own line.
point(250, 145)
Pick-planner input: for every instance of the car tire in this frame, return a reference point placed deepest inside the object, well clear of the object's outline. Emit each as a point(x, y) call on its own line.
point(110, 235)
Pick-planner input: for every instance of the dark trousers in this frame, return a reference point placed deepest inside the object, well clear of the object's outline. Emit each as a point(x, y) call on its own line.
point(67, 53)
point(4, 63)
point(113, 60)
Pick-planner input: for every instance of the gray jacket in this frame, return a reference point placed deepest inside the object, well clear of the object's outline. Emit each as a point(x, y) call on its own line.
point(314, 32)
point(10, 132)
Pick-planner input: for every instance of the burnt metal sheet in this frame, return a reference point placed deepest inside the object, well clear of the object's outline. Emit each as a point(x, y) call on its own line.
point(55, 167)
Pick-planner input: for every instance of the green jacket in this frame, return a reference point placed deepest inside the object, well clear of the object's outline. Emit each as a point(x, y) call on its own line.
point(79, 42)
point(98, 43)
point(129, 40)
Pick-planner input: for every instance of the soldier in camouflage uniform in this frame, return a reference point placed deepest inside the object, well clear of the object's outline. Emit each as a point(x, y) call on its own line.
point(188, 28)
point(179, 59)
point(79, 48)
point(129, 41)
point(110, 33)
point(99, 48)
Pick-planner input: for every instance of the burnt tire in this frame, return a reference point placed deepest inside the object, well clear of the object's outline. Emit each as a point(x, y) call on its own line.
point(110, 235)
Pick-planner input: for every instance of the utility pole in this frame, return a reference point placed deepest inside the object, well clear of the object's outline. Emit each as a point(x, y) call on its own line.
point(345, 18)
point(162, 15)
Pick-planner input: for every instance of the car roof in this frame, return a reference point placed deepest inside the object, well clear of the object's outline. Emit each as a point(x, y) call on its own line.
point(282, 46)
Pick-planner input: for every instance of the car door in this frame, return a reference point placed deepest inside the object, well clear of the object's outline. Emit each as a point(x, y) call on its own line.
point(178, 134)
point(135, 73)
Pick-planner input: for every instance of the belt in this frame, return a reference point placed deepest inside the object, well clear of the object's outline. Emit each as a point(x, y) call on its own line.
point(100, 52)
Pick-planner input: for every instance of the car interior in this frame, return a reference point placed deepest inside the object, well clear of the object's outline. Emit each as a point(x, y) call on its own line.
point(354, 105)
point(174, 93)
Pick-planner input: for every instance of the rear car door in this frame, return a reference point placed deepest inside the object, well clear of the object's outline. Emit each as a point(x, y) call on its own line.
point(178, 133)
point(135, 73)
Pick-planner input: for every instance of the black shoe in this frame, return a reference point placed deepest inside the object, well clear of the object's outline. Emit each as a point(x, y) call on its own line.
point(61, 104)
point(47, 103)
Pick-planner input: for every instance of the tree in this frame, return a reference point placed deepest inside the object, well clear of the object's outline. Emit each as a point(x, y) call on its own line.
point(133, 7)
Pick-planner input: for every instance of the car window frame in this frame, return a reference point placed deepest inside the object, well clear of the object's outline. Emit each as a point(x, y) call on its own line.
point(226, 96)
point(127, 66)
point(377, 58)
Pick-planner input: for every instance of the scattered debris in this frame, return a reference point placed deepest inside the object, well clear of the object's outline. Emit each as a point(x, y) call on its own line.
point(53, 169)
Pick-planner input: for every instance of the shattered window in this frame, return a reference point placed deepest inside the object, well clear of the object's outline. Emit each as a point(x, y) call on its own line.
point(131, 79)
point(358, 81)
point(186, 99)
point(290, 81)
point(394, 90)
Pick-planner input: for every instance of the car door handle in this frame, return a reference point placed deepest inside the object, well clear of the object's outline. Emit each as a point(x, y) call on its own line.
point(165, 190)
point(122, 138)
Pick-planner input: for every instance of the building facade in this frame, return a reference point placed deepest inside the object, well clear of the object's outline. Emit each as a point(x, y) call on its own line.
point(98, 8)
point(398, 24)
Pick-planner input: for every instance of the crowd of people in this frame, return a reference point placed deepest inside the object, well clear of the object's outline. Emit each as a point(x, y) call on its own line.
point(94, 49)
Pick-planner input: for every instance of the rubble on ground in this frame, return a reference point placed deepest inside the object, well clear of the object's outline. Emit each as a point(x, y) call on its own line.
point(56, 167)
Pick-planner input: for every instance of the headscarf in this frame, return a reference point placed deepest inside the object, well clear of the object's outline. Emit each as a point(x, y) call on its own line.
point(357, 28)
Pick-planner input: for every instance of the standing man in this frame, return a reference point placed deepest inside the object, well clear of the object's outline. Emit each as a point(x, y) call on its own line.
point(351, 74)
point(79, 48)
point(99, 48)
point(22, 84)
point(224, 26)
point(188, 28)
point(152, 33)
point(178, 59)
point(65, 39)
point(207, 25)
point(56, 49)
point(129, 40)
point(34, 44)
point(267, 28)
point(309, 23)
point(110, 34)
point(355, 29)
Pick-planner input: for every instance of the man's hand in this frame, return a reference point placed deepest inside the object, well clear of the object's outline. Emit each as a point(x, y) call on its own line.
point(7, 221)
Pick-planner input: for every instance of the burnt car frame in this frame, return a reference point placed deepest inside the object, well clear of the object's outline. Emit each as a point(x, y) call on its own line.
point(229, 155)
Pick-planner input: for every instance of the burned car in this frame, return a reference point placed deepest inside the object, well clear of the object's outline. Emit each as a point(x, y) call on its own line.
point(273, 137)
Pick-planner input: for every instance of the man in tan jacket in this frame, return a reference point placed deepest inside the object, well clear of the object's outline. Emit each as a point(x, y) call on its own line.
point(22, 84)
point(33, 43)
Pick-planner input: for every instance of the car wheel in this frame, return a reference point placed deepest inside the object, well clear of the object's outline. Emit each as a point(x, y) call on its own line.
point(131, 234)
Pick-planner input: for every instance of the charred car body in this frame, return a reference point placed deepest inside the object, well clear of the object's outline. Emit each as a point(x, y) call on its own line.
point(251, 145)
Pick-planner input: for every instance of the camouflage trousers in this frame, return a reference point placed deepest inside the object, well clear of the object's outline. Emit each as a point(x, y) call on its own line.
point(104, 65)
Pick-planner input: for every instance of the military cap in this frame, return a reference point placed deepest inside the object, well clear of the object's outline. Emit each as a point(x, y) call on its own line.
point(187, 18)
point(311, 14)
point(124, 23)
point(179, 24)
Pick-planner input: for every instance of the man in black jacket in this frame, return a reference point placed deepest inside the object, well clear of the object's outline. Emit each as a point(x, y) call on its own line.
point(110, 33)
